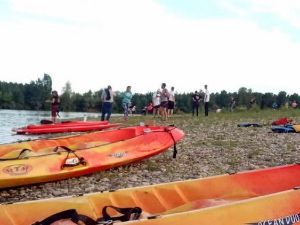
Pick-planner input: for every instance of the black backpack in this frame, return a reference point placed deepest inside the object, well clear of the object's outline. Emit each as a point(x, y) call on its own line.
point(107, 92)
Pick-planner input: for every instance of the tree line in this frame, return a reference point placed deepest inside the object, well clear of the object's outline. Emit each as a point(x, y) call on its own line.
point(34, 96)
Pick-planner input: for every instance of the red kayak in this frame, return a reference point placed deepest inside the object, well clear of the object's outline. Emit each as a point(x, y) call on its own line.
point(73, 126)
point(69, 123)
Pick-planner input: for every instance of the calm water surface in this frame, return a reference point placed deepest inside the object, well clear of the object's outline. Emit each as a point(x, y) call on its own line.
point(10, 119)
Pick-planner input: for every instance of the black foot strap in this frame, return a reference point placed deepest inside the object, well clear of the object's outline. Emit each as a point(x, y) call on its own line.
point(127, 214)
point(67, 214)
point(20, 156)
point(174, 141)
point(70, 162)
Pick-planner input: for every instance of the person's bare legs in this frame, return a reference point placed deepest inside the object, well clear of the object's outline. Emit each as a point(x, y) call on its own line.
point(164, 114)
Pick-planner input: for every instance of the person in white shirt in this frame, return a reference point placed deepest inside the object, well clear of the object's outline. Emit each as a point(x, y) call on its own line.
point(171, 102)
point(156, 102)
point(206, 100)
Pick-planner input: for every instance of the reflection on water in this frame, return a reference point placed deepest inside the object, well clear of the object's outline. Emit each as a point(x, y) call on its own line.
point(10, 119)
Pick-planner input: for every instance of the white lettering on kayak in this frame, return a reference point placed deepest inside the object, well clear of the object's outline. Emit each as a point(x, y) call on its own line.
point(118, 154)
point(288, 220)
point(17, 169)
point(72, 161)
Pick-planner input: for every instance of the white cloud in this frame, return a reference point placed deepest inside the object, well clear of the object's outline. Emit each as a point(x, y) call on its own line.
point(94, 43)
point(232, 7)
point(288, 10)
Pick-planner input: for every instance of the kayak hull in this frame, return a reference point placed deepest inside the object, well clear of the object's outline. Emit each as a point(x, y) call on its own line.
point(136, 143)
point(64, 127)
point(281, 208)
point(206, 199)
point(66, 124)
point(296, 127)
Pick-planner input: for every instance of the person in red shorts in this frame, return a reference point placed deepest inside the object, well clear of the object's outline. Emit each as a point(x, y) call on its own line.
point(55, 101)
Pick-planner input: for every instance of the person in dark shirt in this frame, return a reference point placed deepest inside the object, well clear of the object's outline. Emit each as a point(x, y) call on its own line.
point(55, 101)
point(107, 98)
point(196, 97)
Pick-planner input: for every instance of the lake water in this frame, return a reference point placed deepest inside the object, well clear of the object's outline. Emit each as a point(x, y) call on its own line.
point(10, 119)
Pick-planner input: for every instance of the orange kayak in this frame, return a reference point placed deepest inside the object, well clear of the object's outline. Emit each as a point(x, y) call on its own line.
point(76, 126)
point(281, 208)
point(242, 198)
point(49, 160)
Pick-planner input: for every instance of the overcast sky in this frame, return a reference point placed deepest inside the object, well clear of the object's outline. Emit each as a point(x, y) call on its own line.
point(226, 44)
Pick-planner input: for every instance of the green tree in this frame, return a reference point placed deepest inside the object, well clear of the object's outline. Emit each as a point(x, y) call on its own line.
point(222, 99)
point(268, 99)
point(67, 98)
point(295, 97)
point(244, 96)
point(43, 90)
point(80, 103)
point(281, 98)
point(184, 102)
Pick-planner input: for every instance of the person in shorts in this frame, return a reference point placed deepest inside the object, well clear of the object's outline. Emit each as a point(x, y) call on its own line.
point(55, 101)
point(156, 102)
point(171, 102)
point(164, 96)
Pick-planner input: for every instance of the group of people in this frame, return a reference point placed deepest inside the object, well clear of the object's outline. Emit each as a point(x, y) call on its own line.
point(163, 102)
point(197, 97)
point(107, 98)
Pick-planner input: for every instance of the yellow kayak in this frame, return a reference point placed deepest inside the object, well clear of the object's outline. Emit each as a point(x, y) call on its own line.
point(296, 127)
point(182, 202)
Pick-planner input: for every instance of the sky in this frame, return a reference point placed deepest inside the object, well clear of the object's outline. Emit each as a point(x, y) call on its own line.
point(226, 44)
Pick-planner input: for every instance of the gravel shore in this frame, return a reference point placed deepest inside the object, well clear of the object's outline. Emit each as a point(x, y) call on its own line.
point(211, 146)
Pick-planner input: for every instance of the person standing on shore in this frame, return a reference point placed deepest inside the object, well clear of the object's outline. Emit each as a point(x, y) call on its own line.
point(195, 103)
point(206, 100)
point(156, 102)
point(126, 101)
point(232, 103)
point(107, 98)
point(164, 95)
point(55, 101)
point(171, 102)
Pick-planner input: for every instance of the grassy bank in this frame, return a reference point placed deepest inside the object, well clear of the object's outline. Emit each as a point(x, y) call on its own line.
point(212, 145)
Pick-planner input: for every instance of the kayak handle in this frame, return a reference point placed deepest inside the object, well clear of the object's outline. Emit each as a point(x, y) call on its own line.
point(70, 161)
